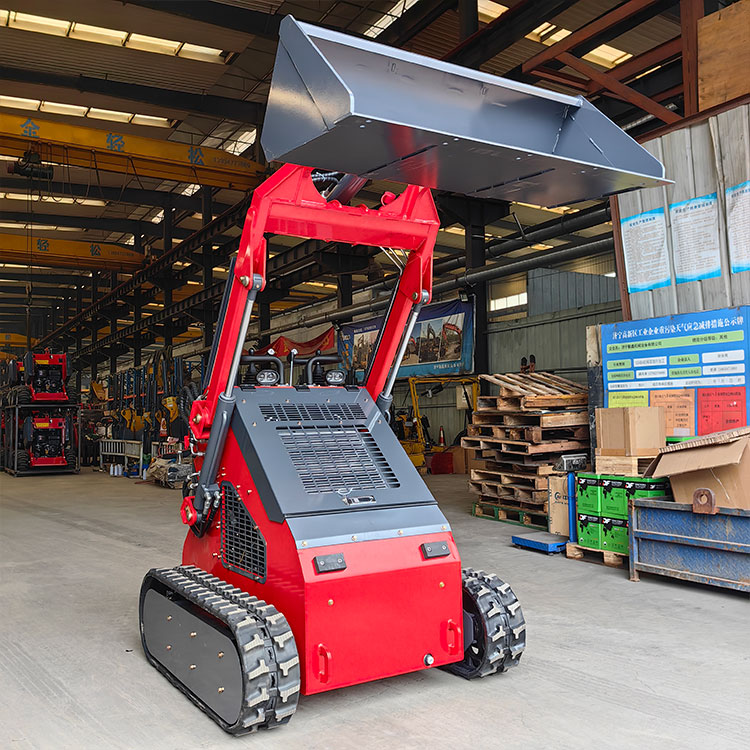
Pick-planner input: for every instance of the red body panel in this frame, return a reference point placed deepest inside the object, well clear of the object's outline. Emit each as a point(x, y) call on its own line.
point(43, 461)
point(391, 607)
point(59, 360)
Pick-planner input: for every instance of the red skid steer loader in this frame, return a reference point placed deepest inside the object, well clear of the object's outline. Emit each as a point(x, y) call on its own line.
point(316, 557)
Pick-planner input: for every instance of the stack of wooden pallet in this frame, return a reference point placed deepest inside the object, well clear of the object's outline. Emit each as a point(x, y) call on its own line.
point(519, 434)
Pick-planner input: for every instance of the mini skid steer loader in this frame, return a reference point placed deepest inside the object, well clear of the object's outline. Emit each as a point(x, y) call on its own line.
point(316, 557)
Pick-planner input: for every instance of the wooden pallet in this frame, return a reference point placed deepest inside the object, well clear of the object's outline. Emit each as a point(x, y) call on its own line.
point(516, 493)
point(601, 556)
point(522, 447)
point(623, 466)
point(536, 390)
point(508, 514)
point(529, 433)
point(530, 481)
point(567, 418)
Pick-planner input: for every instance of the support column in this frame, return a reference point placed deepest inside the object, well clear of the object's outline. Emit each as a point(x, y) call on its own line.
point(264, 323)
point(468, 18)
point(94, 324)
point(113, 326)
point(79, 336)
point(474, 244)
point(208, 270)
point(690, 12)
point(168, 220)
point(137, 307)
point(344, 291)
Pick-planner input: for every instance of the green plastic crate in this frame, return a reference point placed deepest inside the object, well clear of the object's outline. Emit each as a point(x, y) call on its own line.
point(615, 537)
point(588, 494)
point(589, 531)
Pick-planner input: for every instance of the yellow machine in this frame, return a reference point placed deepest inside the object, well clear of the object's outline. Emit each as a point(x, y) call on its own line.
point(413, 435)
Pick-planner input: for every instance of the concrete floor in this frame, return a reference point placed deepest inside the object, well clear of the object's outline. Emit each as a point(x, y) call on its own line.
point(609, 663)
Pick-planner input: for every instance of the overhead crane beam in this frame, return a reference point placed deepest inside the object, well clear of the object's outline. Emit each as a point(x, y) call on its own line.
point(92, 148)
point(55, 253)
point(109, 193)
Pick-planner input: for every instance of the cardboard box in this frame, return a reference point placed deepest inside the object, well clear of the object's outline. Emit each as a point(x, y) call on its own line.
point(459, 459)
point(557, 508)
point(630, 431)
point(718, 462)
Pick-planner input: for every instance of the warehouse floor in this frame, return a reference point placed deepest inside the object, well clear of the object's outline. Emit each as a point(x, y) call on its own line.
point(609, 663)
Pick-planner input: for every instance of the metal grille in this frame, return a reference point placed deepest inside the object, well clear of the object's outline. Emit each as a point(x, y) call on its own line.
point(311, 412)
point(337, 458)
point(243, 548)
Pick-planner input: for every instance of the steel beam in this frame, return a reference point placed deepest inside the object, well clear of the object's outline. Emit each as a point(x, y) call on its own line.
point(136, 196)
point(57, 253)
point(414, 20)
point(505, 30)
point(182, 101)
point(62, 143)
point(103, 224)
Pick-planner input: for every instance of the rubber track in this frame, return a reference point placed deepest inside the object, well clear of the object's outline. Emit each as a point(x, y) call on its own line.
point(505, 627)
point(265, 643)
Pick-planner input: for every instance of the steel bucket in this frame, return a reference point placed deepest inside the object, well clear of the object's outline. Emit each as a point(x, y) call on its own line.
point(346, 104)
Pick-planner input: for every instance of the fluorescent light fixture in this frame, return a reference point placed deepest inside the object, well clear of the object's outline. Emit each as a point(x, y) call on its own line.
point(17, 102)
point(201, 53)
point(58, 108)
point(109, 114)
point(102, 35)
point(99, 34)
point(611, 275)
point(152, 44)
point(75, 110)
point(52, 199)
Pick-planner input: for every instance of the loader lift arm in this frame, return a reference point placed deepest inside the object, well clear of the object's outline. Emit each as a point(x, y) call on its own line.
point(288, 203)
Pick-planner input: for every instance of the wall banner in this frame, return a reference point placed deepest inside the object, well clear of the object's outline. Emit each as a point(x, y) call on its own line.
point(694, 365)
point(695, 238)
point(442, 342)
point(738, 226)
point(644, 245)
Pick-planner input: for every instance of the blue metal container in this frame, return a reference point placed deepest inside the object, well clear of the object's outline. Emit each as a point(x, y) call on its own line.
point(668, 539)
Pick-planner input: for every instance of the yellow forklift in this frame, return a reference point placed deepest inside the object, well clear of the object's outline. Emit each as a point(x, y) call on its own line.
point(412, 427)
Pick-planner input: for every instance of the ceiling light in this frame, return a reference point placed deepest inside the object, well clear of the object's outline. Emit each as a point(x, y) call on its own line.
point(109, 114)
point(99, 34)
point(160, 122)
point(52, 199)
point(41, 24)
point(611, 275)
point(57, 108)
point(152, 44)
point(198, 52)
point(18, 102)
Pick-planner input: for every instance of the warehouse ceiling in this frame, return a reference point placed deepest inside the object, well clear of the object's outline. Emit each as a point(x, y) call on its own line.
point(198, 73)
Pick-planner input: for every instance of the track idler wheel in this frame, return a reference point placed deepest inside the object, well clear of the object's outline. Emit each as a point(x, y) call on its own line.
point(23, 395)
point(22, 461)
point(494, 628)
point(232, 654)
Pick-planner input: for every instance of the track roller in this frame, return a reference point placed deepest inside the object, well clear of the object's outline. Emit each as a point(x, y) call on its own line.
point(494, 628)
point(231, 653)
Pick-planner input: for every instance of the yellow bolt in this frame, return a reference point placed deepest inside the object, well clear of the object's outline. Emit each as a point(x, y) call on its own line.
point(192, 666)
point(169, 648)
point(221, 654)
point(330, 602)
point(197, 419)
point(193, 634)
point(221, 689)
point(442, 585)
point(169, 617)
